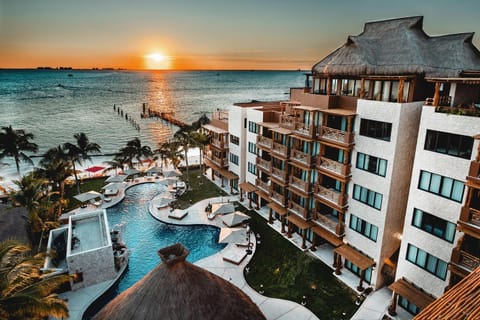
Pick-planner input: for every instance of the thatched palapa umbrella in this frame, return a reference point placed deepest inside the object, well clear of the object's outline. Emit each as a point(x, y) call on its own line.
point(177, 289)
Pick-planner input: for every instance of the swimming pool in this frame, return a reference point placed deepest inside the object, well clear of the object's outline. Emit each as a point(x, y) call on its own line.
point(144, 236)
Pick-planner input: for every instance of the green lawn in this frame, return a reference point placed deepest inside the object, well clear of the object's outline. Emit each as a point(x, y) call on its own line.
point(288, 273)
point(95, 184)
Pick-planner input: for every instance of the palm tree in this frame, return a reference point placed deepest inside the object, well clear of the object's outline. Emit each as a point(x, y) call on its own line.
point(80, 152)
point(13, 143)
point(184, 137)
point(56, 167)
point(24, 291)
point(116, 163)
point(135, 150)
point(201, 140)
point(173, 153)
point(162, 152)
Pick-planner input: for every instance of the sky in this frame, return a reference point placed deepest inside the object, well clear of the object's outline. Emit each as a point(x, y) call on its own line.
point(203, 34)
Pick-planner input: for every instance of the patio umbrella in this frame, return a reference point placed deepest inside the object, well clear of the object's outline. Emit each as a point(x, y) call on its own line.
point(162, 202)
point(155, 170)
point(86, 196)
point(178, 289)
point(222, 208)
point(118, 178)
point(113, 185)
point(171, 173)
point(94, 169)
point(131, 172)
point(229, 235)
point(235, 218)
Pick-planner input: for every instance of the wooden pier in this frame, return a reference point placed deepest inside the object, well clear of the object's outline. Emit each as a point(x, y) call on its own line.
point(166, 116)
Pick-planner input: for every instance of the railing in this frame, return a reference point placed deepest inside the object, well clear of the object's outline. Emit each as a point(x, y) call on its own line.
point(334, 166)
point(304, 130)
point(471, 216)
point(264, 164)
point(468, 260)
point(442, 101)
point(279, 174)
point(264, 142)
point(300, 184)
point(335, 134)
point(287, 121)
point(326, 222)
point(280, 149)
point(298, 209)
point(302, 157)
point(330, 195)
point(221, 162)
point(277, 197)
point(219, 144)
point(262, 185)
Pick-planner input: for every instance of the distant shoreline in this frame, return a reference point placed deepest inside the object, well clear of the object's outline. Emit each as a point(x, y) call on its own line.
point(152, 70)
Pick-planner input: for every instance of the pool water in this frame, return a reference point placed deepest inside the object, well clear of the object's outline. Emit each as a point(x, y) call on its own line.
point(144, 236)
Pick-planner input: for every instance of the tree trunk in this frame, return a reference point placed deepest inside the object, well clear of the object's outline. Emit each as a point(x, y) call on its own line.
point(76, 178)
point(188, 175)
point(17, 163)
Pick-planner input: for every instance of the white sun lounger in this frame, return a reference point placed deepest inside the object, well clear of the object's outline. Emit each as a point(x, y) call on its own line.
point(234, 256)
point(178, 214)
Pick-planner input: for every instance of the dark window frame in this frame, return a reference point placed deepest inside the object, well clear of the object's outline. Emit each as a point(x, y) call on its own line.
point(373, 164)
point(433, 225)
point(376, 129)
point(429, 258)
point(442, 184)
point(451, 144)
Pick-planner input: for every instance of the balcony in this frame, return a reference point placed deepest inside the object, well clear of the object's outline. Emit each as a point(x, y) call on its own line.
point(262, 185)
point(330, 195)
point(221, 162)
point(304, 130)
point(264, 142)
point(335, 135)
point(300, 184)
point(298, 209)
point(474, 171)
point(465, 260)
point(279, 174)
point(279, 198)
point(331, 223)
point(219, 144)
point(314, 100)
point(302, 157)
point(263, 164)
point(334, 166)
point(280, 149)
point(287, 121)
point(469, 221)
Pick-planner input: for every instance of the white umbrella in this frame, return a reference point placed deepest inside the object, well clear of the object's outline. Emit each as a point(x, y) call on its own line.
point(222, 208)
point(86, 196)
point(162, 202)
point(235, 218)
point(232, 235)
point(118, 178)
point(113, 185)
point(171, 173)
point(155, 170)
point(131, 172)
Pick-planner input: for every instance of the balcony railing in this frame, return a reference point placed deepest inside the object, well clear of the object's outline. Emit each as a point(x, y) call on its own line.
point(304, 130)
point(280, 149)
point(334, 166)
point(279, 174)
point(219, 144)
point(264, 164)
point(264, 142)
point(287, 121)
point(331, 195)
point(335, 134)
point(262, 185)
point(471, 216)
point(300, 184)
point(298, 209)
point(221, 162)
point(326, 222)
point(277, 197)
point(465, 259)
point(302, 157)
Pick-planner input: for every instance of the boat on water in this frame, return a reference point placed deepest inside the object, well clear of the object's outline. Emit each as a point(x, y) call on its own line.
point(87, 250)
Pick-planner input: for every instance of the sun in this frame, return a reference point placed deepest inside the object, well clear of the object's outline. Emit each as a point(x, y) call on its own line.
point(157, 60)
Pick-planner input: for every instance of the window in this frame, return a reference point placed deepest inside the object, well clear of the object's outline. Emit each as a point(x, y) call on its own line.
point(234, 139)
point(434, 225)
point(252, 127)
point(372, 164)
point(355, 269)
point(363, 227)
point(375, 129)
point(426, 261)
point(443, 186)
point(252, 168)
point(407, 305)
point(252, 148)
point(233, 158)
point(367, 196)
point(448, 143)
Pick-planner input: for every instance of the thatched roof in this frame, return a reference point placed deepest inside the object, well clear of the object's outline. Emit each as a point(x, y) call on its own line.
point(400, 47)
point(177, 289)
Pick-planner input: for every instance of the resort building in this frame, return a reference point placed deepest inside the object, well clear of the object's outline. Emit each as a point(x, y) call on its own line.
point(371, 158)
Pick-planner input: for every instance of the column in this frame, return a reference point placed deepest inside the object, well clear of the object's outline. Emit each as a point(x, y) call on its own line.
point(289, 230)
point(436, 96)
point(241, 194)
point(313, 247)
point(393, 306)
point(401, 86)
point(329, 85)
point(360, 284)
point(338, 265)
point(304, 235)
point(270, 216)
point(249, 200)
point(362, 88)
point(283, 224)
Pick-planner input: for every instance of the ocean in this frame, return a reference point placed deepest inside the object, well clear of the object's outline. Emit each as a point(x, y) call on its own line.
point(56, 104)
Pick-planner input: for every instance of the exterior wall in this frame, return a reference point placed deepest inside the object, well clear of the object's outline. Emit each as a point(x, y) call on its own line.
point(236, 118)
point(254, 116)
point(445, 165)
point(97, 266)
point(399, 155)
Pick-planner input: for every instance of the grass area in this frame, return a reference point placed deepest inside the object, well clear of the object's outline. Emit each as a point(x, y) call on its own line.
point(288, 273)
point(200, 188)
point(95, 184)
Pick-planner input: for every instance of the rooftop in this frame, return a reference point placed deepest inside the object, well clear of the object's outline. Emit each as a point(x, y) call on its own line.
point(88, 231)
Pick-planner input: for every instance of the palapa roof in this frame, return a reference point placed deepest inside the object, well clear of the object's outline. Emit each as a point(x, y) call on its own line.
point(401, 47)
point(177, 289)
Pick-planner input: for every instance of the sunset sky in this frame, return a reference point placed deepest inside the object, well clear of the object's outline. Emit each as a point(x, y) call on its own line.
point(203, 34)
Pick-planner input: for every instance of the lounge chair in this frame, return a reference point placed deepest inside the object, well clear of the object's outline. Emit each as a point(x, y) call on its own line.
point(235, 256)
point(178, 214)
